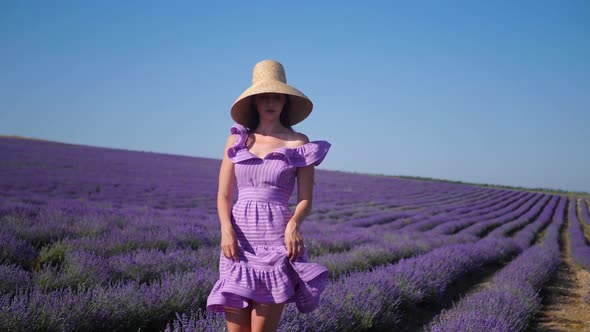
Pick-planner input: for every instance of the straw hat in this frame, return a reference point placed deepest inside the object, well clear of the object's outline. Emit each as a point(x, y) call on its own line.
point(269, 76)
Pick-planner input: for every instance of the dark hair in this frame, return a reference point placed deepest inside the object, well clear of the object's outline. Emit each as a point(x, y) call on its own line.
point(255, 117)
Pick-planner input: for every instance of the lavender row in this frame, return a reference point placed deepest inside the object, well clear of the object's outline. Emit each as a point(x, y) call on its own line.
point(386, 250)
point(458, 221)
point(578, 244)
point(481, 206)
point(33, 242)
point(431, 216)
point(479, 225)
point(82, 222)
point(322, 239)
point(585, 216)
point(513, 299)
point(552, 236)
point(380, 218)
point(342, 189)
point(83, 268)
point(388, 202)
point(433, 205)
point(427, 219)
point(509, 206)
point(470, 209)
point(482, 227)
point(119, 306)
point(507, 228)
point(526, 236)
point(443, 202)
point(46, 170)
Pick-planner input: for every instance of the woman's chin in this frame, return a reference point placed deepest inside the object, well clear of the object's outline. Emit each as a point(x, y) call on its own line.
point(269, 115)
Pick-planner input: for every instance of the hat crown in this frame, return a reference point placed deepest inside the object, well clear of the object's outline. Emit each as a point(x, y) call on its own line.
point(269, 77)
point(269, 70)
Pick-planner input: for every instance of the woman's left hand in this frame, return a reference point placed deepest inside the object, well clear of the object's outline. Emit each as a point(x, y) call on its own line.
point(293, 241)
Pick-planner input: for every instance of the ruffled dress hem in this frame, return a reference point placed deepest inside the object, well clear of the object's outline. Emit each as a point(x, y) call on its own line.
point(300, 282)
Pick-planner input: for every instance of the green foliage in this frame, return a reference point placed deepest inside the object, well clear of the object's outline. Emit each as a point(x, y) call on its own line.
point(53, 253)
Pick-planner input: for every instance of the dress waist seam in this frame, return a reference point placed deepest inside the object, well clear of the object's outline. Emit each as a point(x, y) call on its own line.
point(263, 201)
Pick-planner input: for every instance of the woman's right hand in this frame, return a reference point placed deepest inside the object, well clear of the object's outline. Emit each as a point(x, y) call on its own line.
point(229, 243)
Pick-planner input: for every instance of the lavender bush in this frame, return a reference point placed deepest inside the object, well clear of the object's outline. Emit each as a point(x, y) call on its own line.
point(15, 250)
point(578, 244)
point(13, 277)
point(198, 321)
point(585, 212)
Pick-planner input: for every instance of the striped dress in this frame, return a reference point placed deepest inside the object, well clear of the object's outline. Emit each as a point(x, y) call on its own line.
point(264, 273)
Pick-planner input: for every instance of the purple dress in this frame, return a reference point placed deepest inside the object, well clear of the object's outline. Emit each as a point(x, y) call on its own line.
point(264, 273)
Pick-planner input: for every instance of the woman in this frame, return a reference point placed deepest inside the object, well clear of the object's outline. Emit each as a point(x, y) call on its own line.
point(263, 262)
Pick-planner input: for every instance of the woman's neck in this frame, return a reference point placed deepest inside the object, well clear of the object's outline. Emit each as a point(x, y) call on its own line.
point(269, 127)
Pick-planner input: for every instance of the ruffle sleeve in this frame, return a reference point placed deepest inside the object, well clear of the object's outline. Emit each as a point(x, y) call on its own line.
point(239, 151)
point(313, 152)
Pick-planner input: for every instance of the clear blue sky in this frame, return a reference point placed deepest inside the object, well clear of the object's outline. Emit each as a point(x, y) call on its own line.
point(495, 92)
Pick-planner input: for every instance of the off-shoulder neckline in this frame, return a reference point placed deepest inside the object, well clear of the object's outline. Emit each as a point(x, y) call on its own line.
point(242, 131)
point(274, 151)
point(299, 156)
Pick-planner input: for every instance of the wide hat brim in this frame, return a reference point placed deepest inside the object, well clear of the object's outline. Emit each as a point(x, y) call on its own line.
point(300, 105)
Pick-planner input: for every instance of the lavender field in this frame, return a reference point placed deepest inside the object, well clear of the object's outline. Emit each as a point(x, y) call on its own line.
point(97, 239)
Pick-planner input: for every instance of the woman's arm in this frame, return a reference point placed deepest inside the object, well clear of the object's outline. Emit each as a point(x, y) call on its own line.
point(293, 238)
point(225, 194)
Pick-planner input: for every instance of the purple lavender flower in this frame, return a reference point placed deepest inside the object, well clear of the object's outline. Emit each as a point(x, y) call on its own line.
point(13, 277)
point(197, 321)
point(15, 250)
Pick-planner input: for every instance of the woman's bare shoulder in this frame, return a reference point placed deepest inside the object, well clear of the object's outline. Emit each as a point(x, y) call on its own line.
point(232, 139)
point(298, 139)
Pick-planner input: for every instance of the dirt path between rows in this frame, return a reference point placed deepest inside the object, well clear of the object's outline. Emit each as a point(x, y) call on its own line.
point(564, 308)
